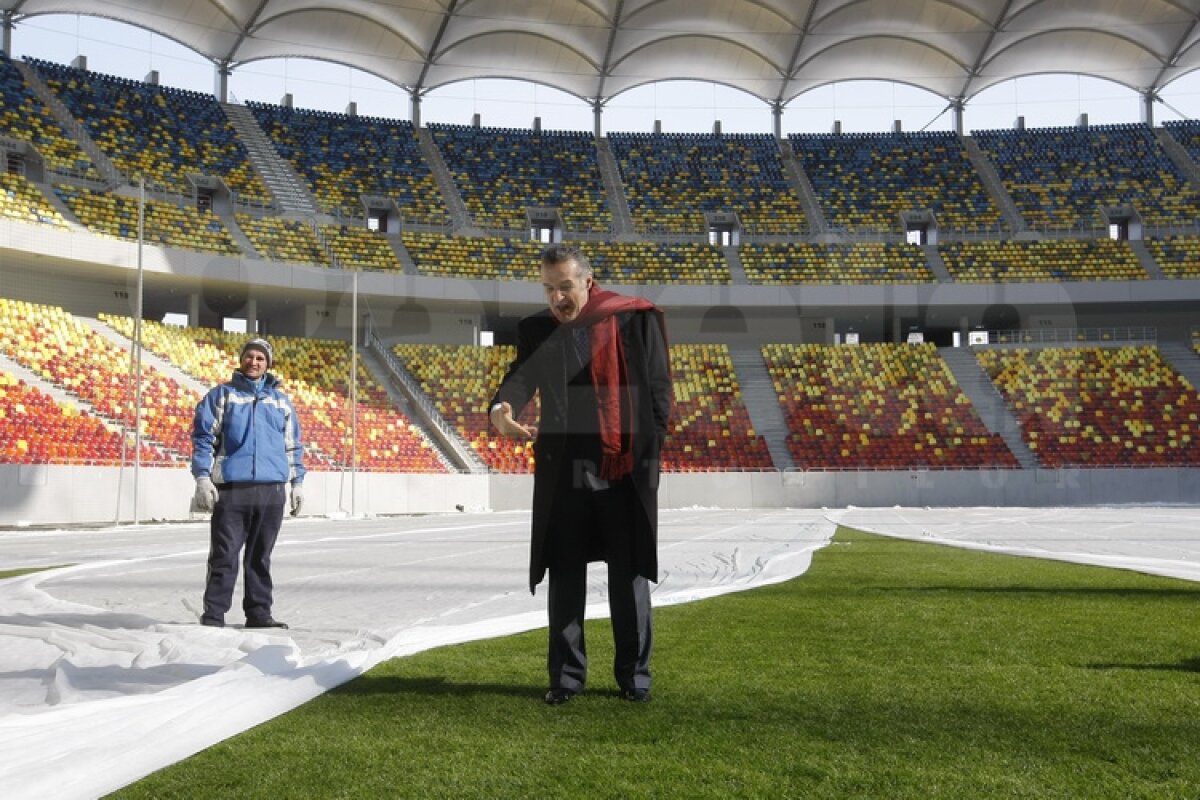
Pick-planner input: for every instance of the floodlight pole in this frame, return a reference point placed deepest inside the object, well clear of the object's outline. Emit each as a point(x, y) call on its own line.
point(137, 351)
point(354, 394)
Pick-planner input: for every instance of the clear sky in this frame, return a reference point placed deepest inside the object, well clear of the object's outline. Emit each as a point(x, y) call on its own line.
point(1057, 100)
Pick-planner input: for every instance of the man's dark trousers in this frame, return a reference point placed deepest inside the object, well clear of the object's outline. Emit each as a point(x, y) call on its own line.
point(593, 522)
point(246, 516)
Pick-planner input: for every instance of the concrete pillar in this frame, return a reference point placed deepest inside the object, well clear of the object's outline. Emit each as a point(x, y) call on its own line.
point(1148, 98)
point(414, 108)
point(221, 79)
point(194, 310)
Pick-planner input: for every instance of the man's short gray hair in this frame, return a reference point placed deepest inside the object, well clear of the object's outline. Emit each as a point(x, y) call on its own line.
point(559, 253)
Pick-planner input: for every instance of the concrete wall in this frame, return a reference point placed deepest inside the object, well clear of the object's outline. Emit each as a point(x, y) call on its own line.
point(67, 495)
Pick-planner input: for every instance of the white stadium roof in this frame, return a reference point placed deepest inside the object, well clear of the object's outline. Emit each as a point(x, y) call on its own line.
point(775, 50)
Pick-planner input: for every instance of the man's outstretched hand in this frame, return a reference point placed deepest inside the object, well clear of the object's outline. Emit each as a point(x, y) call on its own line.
point(502, 420)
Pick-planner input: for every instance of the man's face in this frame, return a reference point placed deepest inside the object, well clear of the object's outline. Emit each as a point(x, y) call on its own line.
point(566, 289)
point(254, 363)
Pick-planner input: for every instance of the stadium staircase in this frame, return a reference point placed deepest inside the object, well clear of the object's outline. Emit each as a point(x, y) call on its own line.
point(46, 387)
point(737, 272)
point(803, 188)
point(406, 393)
point(148, 359)
point(995, 187)
point(403, 256)
point(622, 220)
point(1179, 156)
point(1146, 260)
point(111, 175)
point(279, 176)
point(1184, 359)
point(460, 217)
point(762, 403)
point(990, 406)
point(936, 264)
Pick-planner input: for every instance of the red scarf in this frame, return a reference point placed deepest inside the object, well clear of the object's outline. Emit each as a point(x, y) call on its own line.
point(610, 375)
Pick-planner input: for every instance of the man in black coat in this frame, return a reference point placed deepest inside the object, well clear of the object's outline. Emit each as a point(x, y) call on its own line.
point(598, 360)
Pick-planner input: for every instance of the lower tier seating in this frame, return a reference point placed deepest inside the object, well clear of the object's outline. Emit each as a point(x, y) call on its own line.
point(882, 406)
point(1099, 406)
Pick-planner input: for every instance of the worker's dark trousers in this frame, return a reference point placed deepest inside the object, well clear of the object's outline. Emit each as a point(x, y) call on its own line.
point(247, 516)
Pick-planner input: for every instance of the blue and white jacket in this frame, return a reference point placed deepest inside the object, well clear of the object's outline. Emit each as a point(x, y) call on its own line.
point(247, 434)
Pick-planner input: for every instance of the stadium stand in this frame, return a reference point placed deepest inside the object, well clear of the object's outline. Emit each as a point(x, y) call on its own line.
point(1048, 260)
point(54, 345)
point(23, 116)
point(1099, 406)
point(37, 429)
point(862, 263)
point(356, 247)
point(21, 200)
point(473, 257)
point(344, 157)
point(878, 406)
point(460, 379)
point(502, 171)
point(315, 373)
point(165, 223)
point(279, 239)
point(1062, 177)
point(671, 180)
point(494, 258)
point(867, 180)
point(710, 426)
point(159, 133)
point(1177, 256)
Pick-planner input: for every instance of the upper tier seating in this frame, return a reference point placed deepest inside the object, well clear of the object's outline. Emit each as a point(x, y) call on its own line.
point(52, 343)
point(21, 200)
point(867, 180)
point(493, 258)
point(802, 262)
point(356, 247)
point(1177, 256)
point(23, 116)
point(164, 223)
point(502, 171)
point(279, 239)
point(1099, 406)
point(1062, 177)
point(672, 179)
point(343, 158)
point(37, 429)
point(1049, 260)
point(878, 406)
point(709, 428)
point(315, 375)
point(159, 133)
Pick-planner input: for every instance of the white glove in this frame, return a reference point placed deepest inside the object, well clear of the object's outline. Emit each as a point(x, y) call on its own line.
point(297, 498)
point(206, 495)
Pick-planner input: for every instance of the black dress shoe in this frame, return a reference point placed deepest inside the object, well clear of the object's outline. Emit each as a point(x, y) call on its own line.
point(266, 622)
point(636, 695)
point(556, 697)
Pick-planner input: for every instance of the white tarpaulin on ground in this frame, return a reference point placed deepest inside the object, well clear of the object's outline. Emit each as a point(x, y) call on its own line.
point(105, 675)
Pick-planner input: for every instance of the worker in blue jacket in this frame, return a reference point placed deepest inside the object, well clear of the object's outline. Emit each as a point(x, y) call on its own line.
point(245, 451)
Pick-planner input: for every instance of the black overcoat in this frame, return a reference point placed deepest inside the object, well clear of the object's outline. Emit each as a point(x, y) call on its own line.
point(542, 365)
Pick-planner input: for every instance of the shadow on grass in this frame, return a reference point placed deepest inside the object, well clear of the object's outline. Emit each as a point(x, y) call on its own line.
point(1187, 665)
point(433, 686)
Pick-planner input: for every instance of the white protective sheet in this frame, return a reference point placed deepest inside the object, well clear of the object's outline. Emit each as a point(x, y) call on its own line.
point(105, 675)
